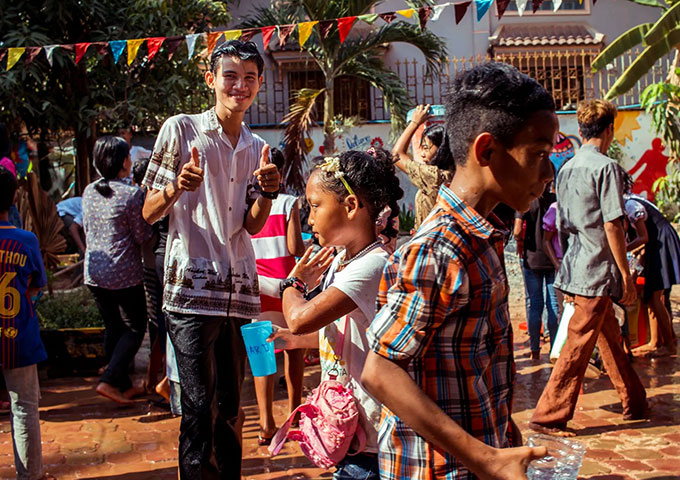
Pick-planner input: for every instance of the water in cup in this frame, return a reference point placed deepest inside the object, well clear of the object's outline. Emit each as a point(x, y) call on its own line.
point(562, 462)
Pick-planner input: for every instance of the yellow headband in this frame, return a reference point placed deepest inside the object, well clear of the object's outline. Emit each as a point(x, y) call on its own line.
point(332, 165)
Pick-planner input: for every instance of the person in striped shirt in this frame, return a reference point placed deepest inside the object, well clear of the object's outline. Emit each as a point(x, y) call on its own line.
point(442, 361)
point(276, 246)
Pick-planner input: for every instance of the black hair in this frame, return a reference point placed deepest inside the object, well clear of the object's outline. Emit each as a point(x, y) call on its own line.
point(5, 142)
point(442, 158)
point(373, 179)
point(628, 182)
point(8, 187)
point(237, 48)
point(492, 97)
point(277, 158)
point(109, 157)
point(139, 169)
point(435, 133)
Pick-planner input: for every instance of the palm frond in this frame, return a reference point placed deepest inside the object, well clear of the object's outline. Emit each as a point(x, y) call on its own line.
point(623, 43)
point(39, 214)
point(649, 3)
point(431, 46)
point(372, 69)
point(643, 63)
point(668, 21)
point(298, 121)
point(283, 13)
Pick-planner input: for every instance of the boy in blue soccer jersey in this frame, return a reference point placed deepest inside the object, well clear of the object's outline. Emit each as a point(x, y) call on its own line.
point(22, 275)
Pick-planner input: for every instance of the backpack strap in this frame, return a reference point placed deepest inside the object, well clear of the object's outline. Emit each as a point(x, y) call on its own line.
point(360, 437)
point(282, 434)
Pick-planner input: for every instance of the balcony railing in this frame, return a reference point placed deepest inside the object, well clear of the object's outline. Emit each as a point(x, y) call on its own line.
point(567, 75)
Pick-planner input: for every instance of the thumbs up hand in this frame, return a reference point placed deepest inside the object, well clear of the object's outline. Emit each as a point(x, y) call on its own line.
point(191, 175)
point(268, 175)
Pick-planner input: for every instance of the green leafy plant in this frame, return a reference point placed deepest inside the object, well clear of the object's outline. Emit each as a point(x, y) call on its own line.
point(70, 309)
point(407, 219)
point(615, 151)
point(660, 100)
point(667, 193)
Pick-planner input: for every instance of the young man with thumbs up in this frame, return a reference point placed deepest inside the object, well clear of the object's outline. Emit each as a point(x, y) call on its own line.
point(213, 178)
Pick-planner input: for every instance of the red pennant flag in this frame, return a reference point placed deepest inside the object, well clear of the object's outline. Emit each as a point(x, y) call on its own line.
point(325, 28)
point(171, 44)
point(424, 15)
point(153, 44)
point(460, 9)
point(81, 48)
point(267, 33)
point(284, 33)
point(102, 48)
point(248, 34)
point(536, 4)
point(501, 6)
point(31, 53)
point(344, 26)
point(388, 17)
point(212, 40)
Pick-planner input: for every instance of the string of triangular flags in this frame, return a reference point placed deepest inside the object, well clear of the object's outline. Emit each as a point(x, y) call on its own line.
point(305, 29)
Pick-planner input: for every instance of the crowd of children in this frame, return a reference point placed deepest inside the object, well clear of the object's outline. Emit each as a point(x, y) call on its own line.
point(421, 337)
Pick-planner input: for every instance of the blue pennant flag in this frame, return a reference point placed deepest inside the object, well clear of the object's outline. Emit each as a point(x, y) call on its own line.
point(482, 8)
point(117, 47)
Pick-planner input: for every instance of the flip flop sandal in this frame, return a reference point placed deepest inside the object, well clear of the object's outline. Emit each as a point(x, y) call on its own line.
point(264, 441)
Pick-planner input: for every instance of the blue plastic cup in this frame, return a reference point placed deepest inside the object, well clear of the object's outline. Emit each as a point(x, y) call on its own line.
point(260, 351)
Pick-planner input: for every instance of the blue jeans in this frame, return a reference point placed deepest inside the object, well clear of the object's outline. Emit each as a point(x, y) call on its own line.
point(24, 394)
point(358, 467)
point(540, 293)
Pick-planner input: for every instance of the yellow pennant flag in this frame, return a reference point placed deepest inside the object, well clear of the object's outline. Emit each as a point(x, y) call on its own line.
point(232, 34)
point(304, 32)
point(408, 13)
point(133, 48)
point(13, 55)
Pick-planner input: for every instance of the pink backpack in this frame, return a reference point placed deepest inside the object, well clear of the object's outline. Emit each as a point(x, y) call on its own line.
point(329, 422)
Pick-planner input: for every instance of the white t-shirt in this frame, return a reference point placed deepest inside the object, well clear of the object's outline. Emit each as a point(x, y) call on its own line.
point(359, 281)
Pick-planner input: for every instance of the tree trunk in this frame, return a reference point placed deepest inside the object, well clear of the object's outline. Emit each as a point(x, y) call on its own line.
point(43, 162)
point(84, 148)
point(328, 114)
point(673, 77)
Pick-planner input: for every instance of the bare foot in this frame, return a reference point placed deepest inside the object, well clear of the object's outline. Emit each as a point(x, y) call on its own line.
point(645, 349)
point(554, 431)
point(109, 391)
point(163, 389)
point(134, 391)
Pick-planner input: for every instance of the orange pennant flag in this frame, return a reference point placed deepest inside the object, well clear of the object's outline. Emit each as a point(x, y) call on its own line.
point(212, 40)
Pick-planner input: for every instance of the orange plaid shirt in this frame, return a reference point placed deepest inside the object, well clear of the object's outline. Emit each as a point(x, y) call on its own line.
point(443, 304)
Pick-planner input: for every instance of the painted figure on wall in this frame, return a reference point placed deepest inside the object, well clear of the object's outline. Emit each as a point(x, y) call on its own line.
point(653, 164)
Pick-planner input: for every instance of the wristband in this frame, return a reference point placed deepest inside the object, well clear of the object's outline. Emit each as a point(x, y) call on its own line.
point(294, 282)
point(271, 195)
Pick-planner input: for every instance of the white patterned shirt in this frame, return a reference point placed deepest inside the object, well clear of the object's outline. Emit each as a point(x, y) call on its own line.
point(209, 259)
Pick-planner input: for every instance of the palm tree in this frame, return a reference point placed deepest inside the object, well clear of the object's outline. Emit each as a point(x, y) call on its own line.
point(358, 56)
point(659, 39)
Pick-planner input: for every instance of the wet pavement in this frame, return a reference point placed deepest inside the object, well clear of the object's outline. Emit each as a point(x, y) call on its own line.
point(87, 436)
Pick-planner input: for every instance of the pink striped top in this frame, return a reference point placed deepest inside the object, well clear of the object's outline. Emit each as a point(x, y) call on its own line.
point(274, 261)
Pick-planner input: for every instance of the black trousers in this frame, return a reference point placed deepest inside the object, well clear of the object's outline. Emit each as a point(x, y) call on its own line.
point(124, 314)
point(211, 360)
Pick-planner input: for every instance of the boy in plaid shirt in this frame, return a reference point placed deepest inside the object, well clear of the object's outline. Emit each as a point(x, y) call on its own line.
point(442, 361)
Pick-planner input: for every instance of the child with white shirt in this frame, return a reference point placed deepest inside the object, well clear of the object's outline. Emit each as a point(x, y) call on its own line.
point(347, 195)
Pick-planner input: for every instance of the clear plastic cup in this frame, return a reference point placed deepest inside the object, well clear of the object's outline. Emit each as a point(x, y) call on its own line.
point(260, 352)
point(562, 462)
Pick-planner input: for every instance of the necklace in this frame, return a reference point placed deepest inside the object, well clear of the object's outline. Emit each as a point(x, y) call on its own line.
point(362, 252)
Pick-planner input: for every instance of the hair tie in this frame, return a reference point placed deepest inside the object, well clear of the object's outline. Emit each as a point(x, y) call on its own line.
point(371, 151)
point(332, 165)
point(383, 216)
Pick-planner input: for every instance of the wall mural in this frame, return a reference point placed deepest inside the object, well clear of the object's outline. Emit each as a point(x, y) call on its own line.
point(642, 154)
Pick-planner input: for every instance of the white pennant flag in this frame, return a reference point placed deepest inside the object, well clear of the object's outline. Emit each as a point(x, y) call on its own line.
point(191, 43)
point(49, 51)
point(438, 9)
point(556, 5)
point(521, 6)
